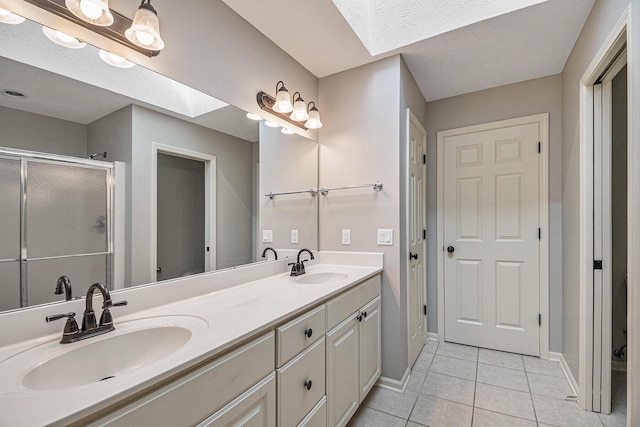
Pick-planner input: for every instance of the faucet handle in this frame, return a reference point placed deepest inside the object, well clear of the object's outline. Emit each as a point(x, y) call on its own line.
point(119, 303)
point(54, 317)
point(105, 317)
point(70, 328)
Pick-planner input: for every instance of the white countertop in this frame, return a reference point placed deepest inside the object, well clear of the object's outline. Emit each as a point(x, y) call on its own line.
point(232, 315)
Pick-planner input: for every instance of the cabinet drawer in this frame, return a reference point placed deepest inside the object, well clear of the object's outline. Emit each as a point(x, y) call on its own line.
point(348, 303)
point(193, 397)
point(317, 417)
point(255, 408)
point(293, 337)
point(295, 399)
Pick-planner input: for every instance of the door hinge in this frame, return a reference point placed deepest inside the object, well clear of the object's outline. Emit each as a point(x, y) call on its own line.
point(424, 307)
point(424, 159)
point(539, 233)
point(597, 264)
point(539, 319)
point(539, 147)
point(424, 234)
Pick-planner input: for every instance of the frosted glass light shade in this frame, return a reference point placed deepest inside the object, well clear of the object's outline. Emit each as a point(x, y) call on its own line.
point(287, 131)
point(271, 124)
point(314, 119)
point(7, 17)
point(283, 102)
point(95, 12)
point(299, 113)
point(145, 29)
point(58, 37)
point(115, 60)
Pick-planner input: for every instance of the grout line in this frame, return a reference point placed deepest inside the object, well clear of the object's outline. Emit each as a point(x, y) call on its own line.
point(533, 405)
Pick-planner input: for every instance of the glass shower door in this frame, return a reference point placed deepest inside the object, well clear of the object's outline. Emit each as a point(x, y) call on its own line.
point(10, 176)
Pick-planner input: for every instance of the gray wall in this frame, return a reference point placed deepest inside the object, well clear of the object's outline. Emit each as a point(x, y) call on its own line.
point(505, 102)
point(603, 17)
point(619, 210)
point(360, 143)
point(28, 131)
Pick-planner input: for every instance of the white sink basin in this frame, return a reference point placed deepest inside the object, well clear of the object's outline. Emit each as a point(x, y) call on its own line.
point(133, 345)
point(316, 278)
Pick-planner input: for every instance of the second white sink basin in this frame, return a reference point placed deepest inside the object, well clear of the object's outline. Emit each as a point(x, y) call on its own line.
point(320, 277)
point(133, 345)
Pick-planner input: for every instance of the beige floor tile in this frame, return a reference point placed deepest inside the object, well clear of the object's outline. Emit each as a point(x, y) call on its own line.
point(445, 387)
point(505, 401)
point(423, 362)
point(503, 377)
point(454, 367)
point(500, 358)
point(367, 417)
point(431, 346)
point(458, 351)
point(482, 418)
point(544, 367)
point(563, 413)
point(546, 385)
point(391, 402)
point(431, 411)
point(416, 380)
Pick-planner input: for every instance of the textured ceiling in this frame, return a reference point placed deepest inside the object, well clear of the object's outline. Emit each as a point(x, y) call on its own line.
point(527, 43)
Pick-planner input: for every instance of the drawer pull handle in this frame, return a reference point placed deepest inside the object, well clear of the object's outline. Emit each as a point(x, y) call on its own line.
point(308, 332)
point(364, 314)
point(307, 384)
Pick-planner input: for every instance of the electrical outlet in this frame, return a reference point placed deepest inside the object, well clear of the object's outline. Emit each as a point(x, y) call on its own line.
point(294, 236)
point(385, 237)
point(267, 236)
point(346, 237)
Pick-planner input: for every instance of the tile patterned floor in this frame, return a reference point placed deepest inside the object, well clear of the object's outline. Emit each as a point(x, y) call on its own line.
point(456, 385)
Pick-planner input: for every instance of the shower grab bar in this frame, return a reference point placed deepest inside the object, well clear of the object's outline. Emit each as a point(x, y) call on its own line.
point(377, 186)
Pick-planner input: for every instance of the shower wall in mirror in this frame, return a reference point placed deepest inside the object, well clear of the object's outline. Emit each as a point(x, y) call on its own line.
point(75, 105)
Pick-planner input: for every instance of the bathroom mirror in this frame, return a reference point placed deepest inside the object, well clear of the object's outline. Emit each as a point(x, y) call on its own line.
point(167, 140)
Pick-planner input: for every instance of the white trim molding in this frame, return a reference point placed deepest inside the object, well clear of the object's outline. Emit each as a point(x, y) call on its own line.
point(567, 371)
point(543, 215)
point(395, 385)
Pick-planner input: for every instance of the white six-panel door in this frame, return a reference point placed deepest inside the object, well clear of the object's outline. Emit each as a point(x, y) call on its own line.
point(491, 238)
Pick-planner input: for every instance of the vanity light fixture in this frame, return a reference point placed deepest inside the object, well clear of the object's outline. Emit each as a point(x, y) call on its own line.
point(253, 116)
point(95, 12)
point(8, 17)
point(115, 60)
point(287, 131)
point(303, 116)
point(63, 39)
point(314, 117)
point(145, 29)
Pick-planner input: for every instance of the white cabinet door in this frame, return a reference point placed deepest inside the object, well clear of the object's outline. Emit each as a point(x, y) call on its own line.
point(343, 367)
point(370, 348)
point(254, 408)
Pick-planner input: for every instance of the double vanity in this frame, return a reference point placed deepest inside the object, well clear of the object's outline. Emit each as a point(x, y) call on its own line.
point(247, 346)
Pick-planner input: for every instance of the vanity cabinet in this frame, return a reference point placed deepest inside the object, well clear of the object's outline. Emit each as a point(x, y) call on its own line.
point(353, 350)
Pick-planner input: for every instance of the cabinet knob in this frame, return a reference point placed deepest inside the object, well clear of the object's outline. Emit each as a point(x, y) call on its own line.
point(412, 256)
point(364, 313)
point(307, 384)
point(359, 317)
point(308, 332)
point(451, 249)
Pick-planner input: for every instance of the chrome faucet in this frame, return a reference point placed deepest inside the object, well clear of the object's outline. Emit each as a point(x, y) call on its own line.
point(90, 327)
point(264, 253)
point(297, 268)
point(64, 282)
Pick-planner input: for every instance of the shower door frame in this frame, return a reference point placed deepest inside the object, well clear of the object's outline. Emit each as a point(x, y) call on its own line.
point(23, 156)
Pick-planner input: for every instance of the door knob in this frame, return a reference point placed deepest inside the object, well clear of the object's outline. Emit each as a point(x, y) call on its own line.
point(412, 256)
point(451, 249)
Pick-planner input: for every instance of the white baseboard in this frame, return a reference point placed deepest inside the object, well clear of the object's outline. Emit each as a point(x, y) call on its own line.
point(567, 372)
point(432, 336)
point(395, 385)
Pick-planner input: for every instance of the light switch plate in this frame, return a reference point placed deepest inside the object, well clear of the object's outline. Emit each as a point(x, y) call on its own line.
point(385, 237)
point(294, 236)
point(267, 236)
point(346, 237)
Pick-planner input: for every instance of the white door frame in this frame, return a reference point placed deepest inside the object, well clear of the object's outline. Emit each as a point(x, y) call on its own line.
point(411, 118)
point(543, 214)
point(209, 200)
point(614, 43)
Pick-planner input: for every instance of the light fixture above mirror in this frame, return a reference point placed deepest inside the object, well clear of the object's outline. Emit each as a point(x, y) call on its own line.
point(8, 17)
point(144, 28)
point(302, 115)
